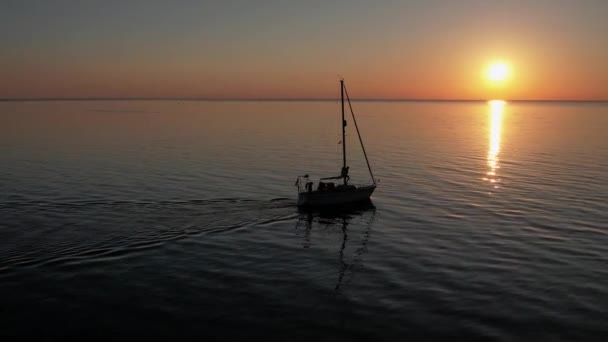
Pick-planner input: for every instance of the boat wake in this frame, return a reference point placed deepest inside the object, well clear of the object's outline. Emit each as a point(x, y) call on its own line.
point(76, 232)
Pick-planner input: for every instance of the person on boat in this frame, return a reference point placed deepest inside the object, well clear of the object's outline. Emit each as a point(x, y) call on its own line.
point(344, 173)
point(307, 184)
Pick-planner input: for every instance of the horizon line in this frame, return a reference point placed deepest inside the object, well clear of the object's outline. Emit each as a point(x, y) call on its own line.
point(243, 99)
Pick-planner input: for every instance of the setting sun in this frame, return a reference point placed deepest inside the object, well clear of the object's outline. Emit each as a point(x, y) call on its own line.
point(498, 72)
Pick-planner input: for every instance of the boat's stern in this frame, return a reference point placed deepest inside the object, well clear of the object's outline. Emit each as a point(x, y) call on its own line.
point(302, 198)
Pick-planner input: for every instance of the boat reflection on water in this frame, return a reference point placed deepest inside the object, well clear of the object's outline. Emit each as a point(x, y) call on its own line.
point(496, 117)
point(354, 224)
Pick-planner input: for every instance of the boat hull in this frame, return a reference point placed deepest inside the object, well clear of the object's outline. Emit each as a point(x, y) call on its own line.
point(335, 197)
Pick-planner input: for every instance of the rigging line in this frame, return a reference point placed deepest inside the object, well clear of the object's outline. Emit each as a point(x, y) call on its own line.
point(342, 89)
point(359, 134)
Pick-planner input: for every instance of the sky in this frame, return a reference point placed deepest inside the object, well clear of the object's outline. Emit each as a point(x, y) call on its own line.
point(427, 49)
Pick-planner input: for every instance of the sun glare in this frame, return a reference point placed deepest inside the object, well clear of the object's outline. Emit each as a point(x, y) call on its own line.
point(496, 113)
point(498, 72)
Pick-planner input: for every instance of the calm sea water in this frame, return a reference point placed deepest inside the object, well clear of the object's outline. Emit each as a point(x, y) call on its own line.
point(177, 220)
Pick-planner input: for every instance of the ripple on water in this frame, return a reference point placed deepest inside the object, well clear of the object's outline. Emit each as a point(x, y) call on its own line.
point(187, 227)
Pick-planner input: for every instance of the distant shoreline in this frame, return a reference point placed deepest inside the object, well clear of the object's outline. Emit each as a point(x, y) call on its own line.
point(276, 100)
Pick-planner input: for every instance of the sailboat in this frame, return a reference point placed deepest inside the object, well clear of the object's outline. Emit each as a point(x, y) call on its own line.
point(328, 193)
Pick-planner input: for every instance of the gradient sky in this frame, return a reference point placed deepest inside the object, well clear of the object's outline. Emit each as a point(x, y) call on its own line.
point(295, 49)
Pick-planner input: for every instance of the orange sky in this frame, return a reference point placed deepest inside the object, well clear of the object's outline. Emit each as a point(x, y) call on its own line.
point(416, 50)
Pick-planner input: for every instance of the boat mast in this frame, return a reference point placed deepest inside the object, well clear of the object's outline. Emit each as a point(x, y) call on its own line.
point(343, 130)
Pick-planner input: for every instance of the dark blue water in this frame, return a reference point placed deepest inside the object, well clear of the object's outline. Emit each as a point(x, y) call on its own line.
point(177, 220)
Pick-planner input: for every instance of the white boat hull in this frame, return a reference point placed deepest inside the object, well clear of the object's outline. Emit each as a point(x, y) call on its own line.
point(335, 197)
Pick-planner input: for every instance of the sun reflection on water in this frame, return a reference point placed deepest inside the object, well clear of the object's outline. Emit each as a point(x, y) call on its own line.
point(496, 114)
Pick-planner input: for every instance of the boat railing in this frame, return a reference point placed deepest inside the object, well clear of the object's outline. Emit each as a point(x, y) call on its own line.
point(302, 181)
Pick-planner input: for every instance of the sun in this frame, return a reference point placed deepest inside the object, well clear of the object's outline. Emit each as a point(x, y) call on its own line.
point(498, 72)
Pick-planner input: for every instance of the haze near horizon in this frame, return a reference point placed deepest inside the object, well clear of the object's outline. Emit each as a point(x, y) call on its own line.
point(545, 50)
